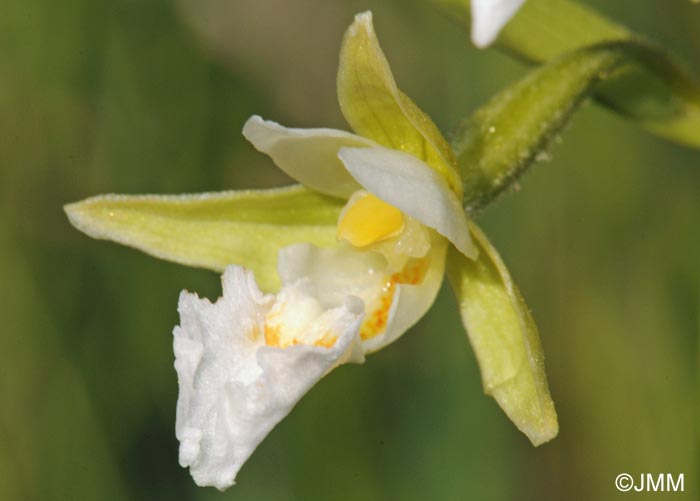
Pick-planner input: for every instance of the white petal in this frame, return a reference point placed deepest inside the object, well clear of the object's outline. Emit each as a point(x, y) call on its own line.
point(344, 270)
point(233, 388)
point(308, 155)
point(409, 184)
point(489, 17)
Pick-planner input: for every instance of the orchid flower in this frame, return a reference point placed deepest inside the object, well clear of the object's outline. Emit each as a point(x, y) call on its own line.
point(349, 261)
point(489, 17)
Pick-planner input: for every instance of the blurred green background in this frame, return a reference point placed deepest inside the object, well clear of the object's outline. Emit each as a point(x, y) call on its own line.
point(135, 96)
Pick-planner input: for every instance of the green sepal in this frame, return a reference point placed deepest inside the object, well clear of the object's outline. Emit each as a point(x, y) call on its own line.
point(659, 94)
point(377, 109)
point(502, 138)
point(504, 337)
point(213, 230)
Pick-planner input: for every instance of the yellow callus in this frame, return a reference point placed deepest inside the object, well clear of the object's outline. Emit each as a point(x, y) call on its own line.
point(367, 219)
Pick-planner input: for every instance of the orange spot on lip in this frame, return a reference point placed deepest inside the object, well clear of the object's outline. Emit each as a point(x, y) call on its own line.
point(327, 341)
point(376, 320)
point(377, 313)
point(273, 337)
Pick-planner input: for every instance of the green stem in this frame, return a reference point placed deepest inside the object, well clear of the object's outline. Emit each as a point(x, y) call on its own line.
point(661, 95)
point(504, 137)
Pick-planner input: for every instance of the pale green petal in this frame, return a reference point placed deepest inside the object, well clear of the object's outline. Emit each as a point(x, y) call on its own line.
point(410, 185)
point(308, 155)
point(504, 337)
point(375, 107)
point(213, 230)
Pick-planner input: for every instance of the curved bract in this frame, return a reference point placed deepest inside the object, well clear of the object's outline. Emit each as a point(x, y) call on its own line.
point(654, 90)
point(502, 138)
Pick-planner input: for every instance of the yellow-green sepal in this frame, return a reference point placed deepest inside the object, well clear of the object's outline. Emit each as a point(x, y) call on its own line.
point(213, 230)
point(505, 339)
point(375, 107)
